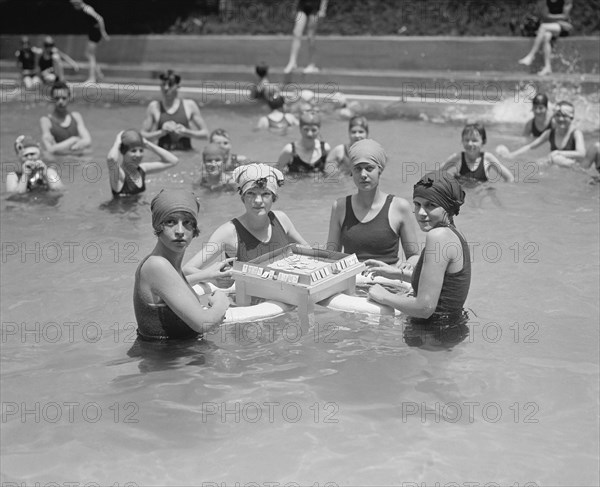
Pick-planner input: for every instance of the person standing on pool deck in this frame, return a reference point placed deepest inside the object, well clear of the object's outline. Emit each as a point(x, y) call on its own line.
point(63, 132)
point(307, 11)
point(442, 275)
point(256, 232)
point(96, 31)
point(473, 164)
point(165, 305)
point(127, 172)
point(542, 117)
point(173, 120)
point(555, 23)
point(371, 223)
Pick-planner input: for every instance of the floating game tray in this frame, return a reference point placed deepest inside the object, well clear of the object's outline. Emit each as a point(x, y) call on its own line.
point(296, 274)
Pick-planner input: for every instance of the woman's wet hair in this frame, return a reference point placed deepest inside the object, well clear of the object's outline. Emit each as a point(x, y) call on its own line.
point(161, 226)
point(59, 85)
point(170, 78)
point(262, 69)
point(310, 118)
point(276, 101)
point(359, 121)
point(472, 128)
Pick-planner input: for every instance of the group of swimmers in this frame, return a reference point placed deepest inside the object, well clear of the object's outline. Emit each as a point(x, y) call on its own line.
point(376, 226)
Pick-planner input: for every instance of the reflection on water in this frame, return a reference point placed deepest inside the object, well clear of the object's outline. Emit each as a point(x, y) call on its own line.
point(332, 398)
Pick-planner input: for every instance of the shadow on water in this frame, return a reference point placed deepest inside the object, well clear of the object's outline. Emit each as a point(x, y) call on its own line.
point(156, 355)
point(438, 336)
point(125, 205)
point(479, 195)
point(34, 198)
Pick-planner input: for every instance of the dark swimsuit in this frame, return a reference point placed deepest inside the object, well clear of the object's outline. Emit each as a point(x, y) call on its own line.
point(61, 133)
point(249, 247)
point(158, 321)
point(33, 183)
point(167, 141)
point(26, 58)
point(570, 145)
point(476, 175)
point(309, 7)
point(129, 187)
point(374, 239)
point(45, 63)
point(535, 132)
point(297, 165)
point(455, 287)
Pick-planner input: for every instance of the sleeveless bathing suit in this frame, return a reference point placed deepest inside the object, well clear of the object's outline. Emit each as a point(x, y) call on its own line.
point(129, 187)
point(309, 7)
point(158, 321)
point(27, 59)
point(570, 145)
point(535, 132)
point(374, 239)
point(249, 247)
point(92, 26)
point(297, 165)
point(455, 286)
point(167, 141)
point(45, 63)
point(33, 183)
point(476, 175)
point(280, 125)
point(61, 133)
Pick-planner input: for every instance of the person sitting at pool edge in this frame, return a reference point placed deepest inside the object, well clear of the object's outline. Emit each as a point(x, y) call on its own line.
point(165, 305)
point(32, 173)
point(442, 276)
point(371, 223)
point(256, 232)
point(174, 121)
point(63, 132)
point(473, 164)
point(127, 172)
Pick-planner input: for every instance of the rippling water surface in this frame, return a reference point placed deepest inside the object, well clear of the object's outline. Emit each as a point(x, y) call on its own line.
point(354, 401)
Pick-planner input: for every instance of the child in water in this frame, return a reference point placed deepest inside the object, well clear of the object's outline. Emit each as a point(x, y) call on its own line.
point(308, 154)
point(214, 176)
point(32, 173)
point(221, 137)
point(566, 141)
point(277, 121)
point(473, 164)
point(542, 117)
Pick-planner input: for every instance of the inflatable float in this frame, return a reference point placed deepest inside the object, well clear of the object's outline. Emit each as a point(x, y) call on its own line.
point(338, 302)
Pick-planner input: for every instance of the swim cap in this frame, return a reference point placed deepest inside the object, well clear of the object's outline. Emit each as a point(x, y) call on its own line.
point(212, 149)
point(442, 189)
point(275, 101)
point(257, 175)
point(367, 150)
point(565, 108)
point(170, 77)
point(262, 69)
point(24, 141)
point(129, 139)
point(171, 201)
point(220, 132)
point(310, 118)
point(540, 99)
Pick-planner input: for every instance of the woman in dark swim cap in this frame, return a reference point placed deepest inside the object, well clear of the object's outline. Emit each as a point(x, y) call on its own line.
point(442, 276)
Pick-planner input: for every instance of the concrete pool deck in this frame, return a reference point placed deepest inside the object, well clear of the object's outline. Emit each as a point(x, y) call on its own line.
point(439, 69)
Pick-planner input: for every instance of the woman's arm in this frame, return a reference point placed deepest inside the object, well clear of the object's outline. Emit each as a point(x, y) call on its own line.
point(435, 263)
point(167, 159)
point(289, 228)
point(407, 231)
point(116, 175)
point(334, 238)
point(195, 118)
point(14, 184)
point(532, 145)
point(150, 123)
point(50, 144)
point(336, 155)
point(201, 267)
point(527, 128)
point(167, 283)
point(285, 158)
point(452, 164)
point(68, 59)
point(578, 153)
point(85, 138)
point(493, 166)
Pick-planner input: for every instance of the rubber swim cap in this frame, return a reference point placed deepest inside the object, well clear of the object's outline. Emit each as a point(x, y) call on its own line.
point(367, 150)
point(257, 175)
point(275, 101)
point(565, 108)
point(170, 201)
point(540, 99)
point(129, 139)
point(442, 189)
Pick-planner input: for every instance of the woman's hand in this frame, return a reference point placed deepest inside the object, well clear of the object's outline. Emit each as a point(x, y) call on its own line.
point(220, 301)
point(378, 293)
point(220, 273)
point(378, 268)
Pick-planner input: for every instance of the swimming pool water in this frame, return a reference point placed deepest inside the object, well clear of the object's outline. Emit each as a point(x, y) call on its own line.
point(347, 403)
